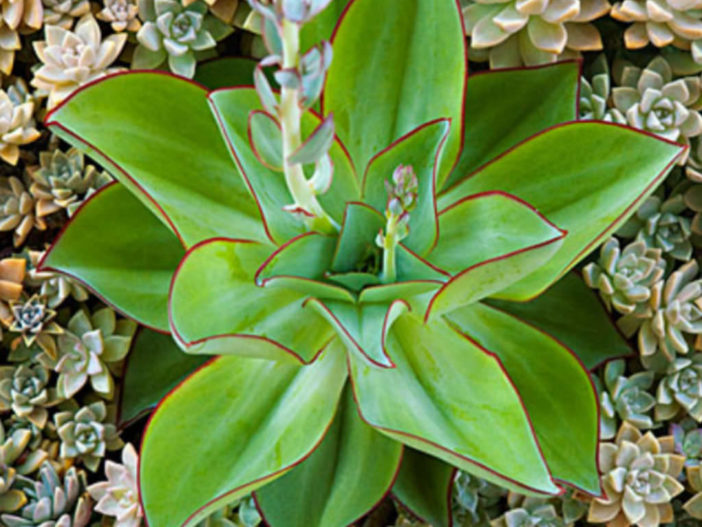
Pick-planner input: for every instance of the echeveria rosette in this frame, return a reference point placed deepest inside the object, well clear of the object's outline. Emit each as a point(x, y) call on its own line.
point(358, 367)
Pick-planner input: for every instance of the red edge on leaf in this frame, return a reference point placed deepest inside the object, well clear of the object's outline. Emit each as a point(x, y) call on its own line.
point(449, 501)
point(448, 450)
point(592, 386)
point(562, 235)
point(121, 425)
point(222, 496)
point(252, 144)
point(189, 344)
point(42, 267)
point(233, 154)
point(341, 145)
point(346, 332)
point(344, 221)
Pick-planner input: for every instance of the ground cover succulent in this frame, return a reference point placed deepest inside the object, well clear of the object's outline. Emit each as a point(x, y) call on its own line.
point(342, 243)
point(18, 210)
point(681, 388)
point(34, 322)
point(54, 287)
point(26, 391)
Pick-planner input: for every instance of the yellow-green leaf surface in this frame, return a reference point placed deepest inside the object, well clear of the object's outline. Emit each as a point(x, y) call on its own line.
point(120, 250)
point(163, 144)
point(404, 68)
point(587, 178)
point(449, 398)
point(231, 427)
point(217, 308)
point(350, 472)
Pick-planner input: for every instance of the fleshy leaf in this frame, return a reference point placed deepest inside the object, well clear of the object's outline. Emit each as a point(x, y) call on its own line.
point(449, 398)
point(232, 107)
point(317, 144)
point(554, 385)
point(341, 481)
point(571, 312)
point(421, 149)
point(231, 427)
point(198, 196)
point(585, 177)
point(499, 117)
point(362, 327)
point(321, 26)
point(424, 486)
point(120, 250)
point(216, 307)
point(266, 140)
point(357, 238)
point(380, 93)
point(154, 366)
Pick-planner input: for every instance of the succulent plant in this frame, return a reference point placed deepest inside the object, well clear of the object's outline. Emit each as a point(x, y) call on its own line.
point(681, 388)
point(651, 100)
point(624, 278)
point(18, 210)
point(531, 512)
point(676, 315)
point(693, 506)
point(122, 15)
point(639, 478)
point(241, 513)
point(12, 274)
point(73, 58)
point(27, 392)
point(88, 347)
point(17, 127)
point(662, 225)
point(595, 95)
point(54, 287)
point(34, 321)
point(24, 15)
point(296, 276)
point(662, 23)
point(118, 497)
point(688, 441)
point(174, 33)
point(625, 398)
point(63, 13)
point(86, 433)
point(62, 180)
point(53, 501)
point(515, 33)
point(474, 500)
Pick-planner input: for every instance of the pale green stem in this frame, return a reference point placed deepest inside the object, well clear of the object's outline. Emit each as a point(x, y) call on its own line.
point(290, 115)
point(389, 273)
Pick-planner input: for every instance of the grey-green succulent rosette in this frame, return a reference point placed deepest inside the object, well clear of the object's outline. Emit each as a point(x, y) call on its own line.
point(376, 251)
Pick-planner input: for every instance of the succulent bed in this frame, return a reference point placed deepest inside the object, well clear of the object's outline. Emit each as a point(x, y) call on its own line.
point(318, 263)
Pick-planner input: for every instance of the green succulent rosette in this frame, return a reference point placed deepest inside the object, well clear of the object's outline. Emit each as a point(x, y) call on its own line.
point(333, 381)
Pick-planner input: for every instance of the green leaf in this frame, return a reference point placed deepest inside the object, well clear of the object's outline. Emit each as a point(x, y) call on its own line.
point(316, 145)
point(585, 177)
point(231, 427)
point(357, 238)
point(498, 116)
point(217, 308)
point(362, 327)
point(232, 108)
point(554, 385)
point(487, 226)
point(378, 93)
point(449, 398)
point(164, 146)
point(424, 486)
point(321, 26)
point(154, 366)
point(341, 481)
point(225, 72)
point(421, 149)
point(120, 250)
point(571, 312)
point(266, 140)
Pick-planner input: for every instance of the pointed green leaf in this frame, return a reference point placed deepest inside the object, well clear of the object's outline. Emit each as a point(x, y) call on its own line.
point(420, 149)
point(497, 116)
point(232, 108)
point(571, 312)
point(380, 93)
point(231, 427)
point(354, 281)
point(586, 177)
point(161, 120)
point(321, 26)
point(424, 486)
point(341, 481)
point(555, 387)
point(316, 145)
point(120, 250)
point(216, 307)
point(266, 140)
point(357, 238)
point(449, 398)
point(154, 366)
